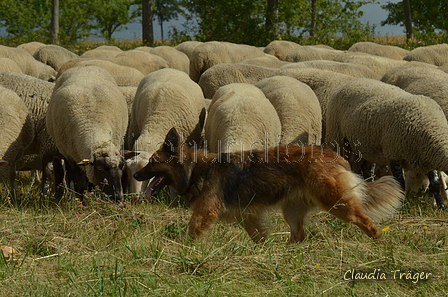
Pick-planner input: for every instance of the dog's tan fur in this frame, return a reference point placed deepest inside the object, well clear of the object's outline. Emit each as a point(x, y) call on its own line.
point(245, 186)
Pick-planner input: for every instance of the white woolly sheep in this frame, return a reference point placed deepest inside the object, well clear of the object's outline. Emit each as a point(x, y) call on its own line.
point(54, 55)
point(102, 52)
point(164, 99)
point(297, 107)
point(240, 117)
point(9, 65)
point(87, 119)
point(433, 54)
point(36, 93)
point(379, 65)
point(16, 133)
point(27, 63)
point(211, 53)
point(226, 73)
point(187, 47)
point(142, 61)
point(175, 58)
point(352, 69)
point(265, 61)
point(410, 131)
point(372, 48)
point(322, 82)
point(31, 47)
point(280, 48)
point(309, 53)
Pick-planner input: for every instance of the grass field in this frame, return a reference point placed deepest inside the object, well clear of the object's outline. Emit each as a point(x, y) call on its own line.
point(124, 249)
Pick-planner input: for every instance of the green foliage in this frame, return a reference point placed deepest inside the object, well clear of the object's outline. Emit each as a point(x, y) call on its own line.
point(166, 10)
point(428, 17)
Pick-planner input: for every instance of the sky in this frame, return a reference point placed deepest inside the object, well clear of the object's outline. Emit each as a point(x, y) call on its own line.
point(373, 13)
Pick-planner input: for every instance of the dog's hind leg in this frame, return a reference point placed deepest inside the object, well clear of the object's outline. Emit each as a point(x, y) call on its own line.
point(256, 225)
point(350, 211)
point(295, 214)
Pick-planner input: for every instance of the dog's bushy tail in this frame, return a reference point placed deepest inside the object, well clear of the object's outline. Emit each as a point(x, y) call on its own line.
point(382, 198)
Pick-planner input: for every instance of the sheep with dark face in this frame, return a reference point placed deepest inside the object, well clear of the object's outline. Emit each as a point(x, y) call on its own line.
point(87, 118)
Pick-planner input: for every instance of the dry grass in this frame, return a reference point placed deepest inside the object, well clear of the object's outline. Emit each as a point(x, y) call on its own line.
point(111, 249)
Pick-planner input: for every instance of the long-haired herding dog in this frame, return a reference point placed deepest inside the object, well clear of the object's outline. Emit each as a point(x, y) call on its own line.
point(245, 186)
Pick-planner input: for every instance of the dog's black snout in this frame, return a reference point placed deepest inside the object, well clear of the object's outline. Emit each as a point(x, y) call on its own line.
point(137, 176)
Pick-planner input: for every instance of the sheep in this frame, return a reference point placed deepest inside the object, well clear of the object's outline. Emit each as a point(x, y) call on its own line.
point(387, 51)
point(309, 53)
point(102, 52)
point(352, 69)
point(9, 65)
point(53, 55)
point(27, 63)
point(123, 75)
point(281, 48)
point(164, 99)
point(389, 126)
point(175, 59)
point(16, 133)
point(265, 61)
point(225, 73)
point(87, 119)
point(297, 107)
point(142, 61)
point(432, 54)
point(145, 48)
point(187, 47)
point(31, 47)
point(240, 117)
point(211, 53)
point(322, 82)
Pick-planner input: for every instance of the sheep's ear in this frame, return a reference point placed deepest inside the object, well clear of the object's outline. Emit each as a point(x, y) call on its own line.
point(171, 140)
point(85, 162)
point(129, 154)
point(3, 162)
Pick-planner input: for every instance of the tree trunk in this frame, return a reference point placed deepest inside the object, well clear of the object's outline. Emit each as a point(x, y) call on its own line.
point(54, 30)
point(313, 18)
point(408, 20)
point(147, 27)
point(272, 18)
point(161, 29)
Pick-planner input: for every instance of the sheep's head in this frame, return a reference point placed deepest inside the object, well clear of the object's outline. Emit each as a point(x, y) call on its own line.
point(105, 170)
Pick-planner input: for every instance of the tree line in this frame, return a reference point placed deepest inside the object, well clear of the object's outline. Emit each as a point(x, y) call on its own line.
point(254, 22)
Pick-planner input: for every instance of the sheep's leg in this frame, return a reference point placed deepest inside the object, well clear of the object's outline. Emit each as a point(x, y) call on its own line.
point(397, 172)
point(58, 173)
point(434, 188)
point(443, 186)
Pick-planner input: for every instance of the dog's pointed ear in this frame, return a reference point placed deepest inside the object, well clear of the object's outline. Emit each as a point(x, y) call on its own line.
point(171, 140)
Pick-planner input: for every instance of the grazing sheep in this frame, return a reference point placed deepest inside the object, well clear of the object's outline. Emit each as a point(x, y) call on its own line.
point(123, 75)
point(309, 53)
point(187, 47)
point(297, 107)
point(31, 47)
point(16, 133)
point(265, 61)
point(281, 48)
point(175, 58)
point(27, 63)
point(387, 51)
point(211, 53)
point(355, 70)
point(87, 118)
point(432, 54)
point(164, 99)
point(9, 65)
point(240, 117)
point(142, 61)
point(102, 52)
point(226, 73)
point(380, 65)
point(390, 127)
point(322, 82)
point(54, 55)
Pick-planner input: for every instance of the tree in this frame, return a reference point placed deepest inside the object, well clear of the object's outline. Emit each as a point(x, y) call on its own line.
point(272, 18)
point(54, 30)
point(166, 10)
point(428, 16)
point(112, 16)
point(147, 26)
point(408, 19)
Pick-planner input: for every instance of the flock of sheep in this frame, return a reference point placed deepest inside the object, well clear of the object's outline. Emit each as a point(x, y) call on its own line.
point(106, 111)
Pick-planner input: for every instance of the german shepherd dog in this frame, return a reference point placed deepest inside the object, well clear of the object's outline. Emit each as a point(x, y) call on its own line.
point(245, 186)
